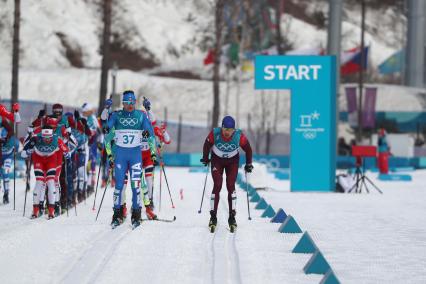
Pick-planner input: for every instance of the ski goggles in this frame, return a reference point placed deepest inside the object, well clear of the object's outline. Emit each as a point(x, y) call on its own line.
point(129, 102)
point(228, 129)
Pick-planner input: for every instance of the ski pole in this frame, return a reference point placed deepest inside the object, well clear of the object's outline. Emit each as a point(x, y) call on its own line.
point(204, 189)
point(65, 183)
point(248, 203)
point(97, 182)
point(27, 184)
point(161, 183)
point(102, 199)
point(168, 188)
point(14, 167)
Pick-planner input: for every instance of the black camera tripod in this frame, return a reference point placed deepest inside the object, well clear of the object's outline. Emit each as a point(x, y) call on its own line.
point(362, 179)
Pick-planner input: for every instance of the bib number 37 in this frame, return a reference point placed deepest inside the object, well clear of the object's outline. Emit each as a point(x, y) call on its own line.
point(128, 139)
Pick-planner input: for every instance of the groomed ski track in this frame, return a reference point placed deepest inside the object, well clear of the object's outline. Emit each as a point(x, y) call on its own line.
point(76, 249)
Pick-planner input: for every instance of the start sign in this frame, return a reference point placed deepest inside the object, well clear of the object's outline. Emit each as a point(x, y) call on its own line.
point(311, 81)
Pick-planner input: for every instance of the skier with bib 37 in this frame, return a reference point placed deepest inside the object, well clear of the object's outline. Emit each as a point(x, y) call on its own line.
point(129, 125)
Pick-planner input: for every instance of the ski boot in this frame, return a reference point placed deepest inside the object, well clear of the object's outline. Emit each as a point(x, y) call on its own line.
point(90, 189)
point(232, 222)
point(117, 218)
point(41, 207)
point(6, 198)
point(136, 217)
point(213, 221)
point(51, 210)
point(124, 211)
point(57, 209)
point(149, 210)
point(80, 196)
point(36, 211)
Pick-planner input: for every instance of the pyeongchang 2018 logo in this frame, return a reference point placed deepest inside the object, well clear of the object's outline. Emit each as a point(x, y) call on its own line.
point(307, 125)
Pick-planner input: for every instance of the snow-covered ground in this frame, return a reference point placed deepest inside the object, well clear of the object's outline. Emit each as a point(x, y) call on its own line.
point(366, 238)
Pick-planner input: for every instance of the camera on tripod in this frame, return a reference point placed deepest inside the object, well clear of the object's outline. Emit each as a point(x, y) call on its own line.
point(360, 153)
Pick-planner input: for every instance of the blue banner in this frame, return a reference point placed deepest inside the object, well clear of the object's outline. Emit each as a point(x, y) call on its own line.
point(311, 80)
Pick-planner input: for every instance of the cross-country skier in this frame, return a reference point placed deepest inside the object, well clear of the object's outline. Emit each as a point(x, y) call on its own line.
point(130, 126)
point(94, 127)
point(7, 143)
point(43, 149)
point(149, 149)
point(82, 133)
point(225, 143)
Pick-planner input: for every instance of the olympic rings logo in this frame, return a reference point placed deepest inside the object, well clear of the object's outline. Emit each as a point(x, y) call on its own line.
point(227, 147)
point(309, 135)
point(128, 121)
point(46, 148)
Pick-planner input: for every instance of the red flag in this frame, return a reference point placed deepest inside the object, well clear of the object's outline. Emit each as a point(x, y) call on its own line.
point(209, 59)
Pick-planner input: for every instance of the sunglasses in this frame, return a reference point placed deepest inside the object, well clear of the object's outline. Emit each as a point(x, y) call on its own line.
point(228, 129)
point(129, 102)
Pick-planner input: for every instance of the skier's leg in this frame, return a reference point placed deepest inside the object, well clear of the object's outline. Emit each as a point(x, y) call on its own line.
point(231, 171)
point(80, 175)
point(51, 190)
point(38, 194)
point(217, 175)
point(148, 167)
point(7, 165)
point(120, 168)
point(135, 177)
point(92, 168)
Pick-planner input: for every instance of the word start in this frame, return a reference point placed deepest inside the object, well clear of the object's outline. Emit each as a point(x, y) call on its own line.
point(291, 72)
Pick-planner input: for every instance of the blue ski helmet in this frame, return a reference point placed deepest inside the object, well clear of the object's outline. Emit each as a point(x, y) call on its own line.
point(129, 96)
point(228, 122)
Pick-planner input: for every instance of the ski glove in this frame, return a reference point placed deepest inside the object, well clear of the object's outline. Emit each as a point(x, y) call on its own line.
point(108, 103)
point(77, 115)
point(15, 107)
point(84, 121)
point(205, 161)
point(248, 168)
point(111, 161)
point(154, 159)
point(146, 104)
point(41, 113)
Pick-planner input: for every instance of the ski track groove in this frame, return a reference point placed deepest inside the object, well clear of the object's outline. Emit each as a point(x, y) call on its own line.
point(90, 264)
point(223, 250)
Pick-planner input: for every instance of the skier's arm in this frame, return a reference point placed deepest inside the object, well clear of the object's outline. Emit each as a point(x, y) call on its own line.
point(208, 144)
point(62, 146)
point(146, 124)
point(111, 121)
point(6, 114)
point(108, 142)
point(245, 145)
point(8, 127)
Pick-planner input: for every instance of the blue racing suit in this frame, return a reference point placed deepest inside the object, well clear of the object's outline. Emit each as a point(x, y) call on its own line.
point(128, 127)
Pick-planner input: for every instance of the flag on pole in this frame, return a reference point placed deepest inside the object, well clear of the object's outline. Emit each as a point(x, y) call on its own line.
point(350, 60)
point(393, 63)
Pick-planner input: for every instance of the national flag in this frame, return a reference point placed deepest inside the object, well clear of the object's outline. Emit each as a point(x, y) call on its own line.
point(393, 63)
point(350, 60)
